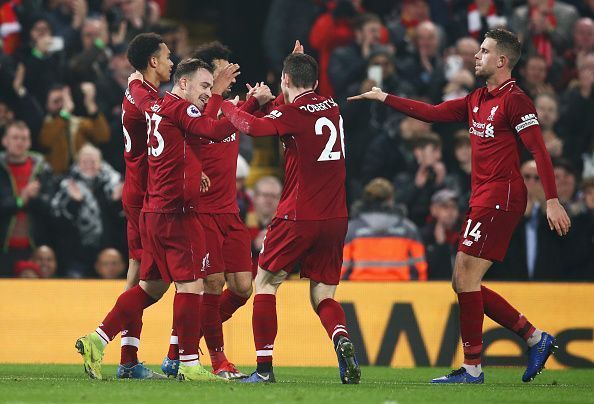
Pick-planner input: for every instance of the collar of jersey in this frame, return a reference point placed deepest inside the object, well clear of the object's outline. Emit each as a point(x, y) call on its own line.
point(177, 97)
point(302, 95)
point(505, 86)
point(150, 86)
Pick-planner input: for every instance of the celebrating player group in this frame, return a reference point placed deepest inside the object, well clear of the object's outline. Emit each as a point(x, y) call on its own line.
point(184, 227)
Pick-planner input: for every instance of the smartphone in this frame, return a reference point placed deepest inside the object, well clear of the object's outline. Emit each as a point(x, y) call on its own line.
point(56, 45)
point(375, 73)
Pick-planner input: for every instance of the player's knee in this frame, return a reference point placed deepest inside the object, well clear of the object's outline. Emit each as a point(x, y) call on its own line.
point(242, 288)
point(155, 289)
point(213, 284)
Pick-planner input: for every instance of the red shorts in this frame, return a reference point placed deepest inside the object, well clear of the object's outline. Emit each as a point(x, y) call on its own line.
point(175, 248)
point(315, 244)
point(486, 232)
point(227, 243)
point(133, 232)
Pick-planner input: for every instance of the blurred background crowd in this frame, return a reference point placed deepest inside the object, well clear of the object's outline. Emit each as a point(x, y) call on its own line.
point(63, 72)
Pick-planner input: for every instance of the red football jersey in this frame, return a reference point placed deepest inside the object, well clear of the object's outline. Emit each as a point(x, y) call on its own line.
point(219, 163)
point(175, 127)
point(135, 156)
point(311, 130)
point(499, 122)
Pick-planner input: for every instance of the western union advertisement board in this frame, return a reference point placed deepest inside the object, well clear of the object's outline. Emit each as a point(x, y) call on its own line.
point(400, 324)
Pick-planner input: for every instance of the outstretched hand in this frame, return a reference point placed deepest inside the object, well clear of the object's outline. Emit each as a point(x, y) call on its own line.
point(376, 94)
point(557, 217)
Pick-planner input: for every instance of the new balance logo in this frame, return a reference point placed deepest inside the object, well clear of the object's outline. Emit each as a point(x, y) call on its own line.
point(269, 346)
point(467, 243)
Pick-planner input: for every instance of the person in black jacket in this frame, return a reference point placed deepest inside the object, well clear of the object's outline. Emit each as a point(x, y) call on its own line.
point(26, 186)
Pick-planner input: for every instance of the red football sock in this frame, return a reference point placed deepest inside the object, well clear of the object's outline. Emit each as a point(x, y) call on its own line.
point(471, 326)
point(130, 343)
point(186, 320)
point(212, 328)
point(127, 310)
point(332, 318)
point(173, 353)
point(265, 328)
point(229, 303)
point(500, 311)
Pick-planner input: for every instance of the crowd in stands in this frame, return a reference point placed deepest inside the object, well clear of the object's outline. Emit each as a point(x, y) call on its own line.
point(63, 72)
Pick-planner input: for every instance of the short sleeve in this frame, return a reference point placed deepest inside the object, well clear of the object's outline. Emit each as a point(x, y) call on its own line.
point(521, 112)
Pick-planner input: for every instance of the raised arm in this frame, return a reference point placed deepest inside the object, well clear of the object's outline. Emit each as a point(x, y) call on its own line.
point(247, 123)
point(205, 126)
point(449, 111)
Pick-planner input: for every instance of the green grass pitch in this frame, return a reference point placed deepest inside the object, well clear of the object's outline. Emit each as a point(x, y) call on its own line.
point(68, 383)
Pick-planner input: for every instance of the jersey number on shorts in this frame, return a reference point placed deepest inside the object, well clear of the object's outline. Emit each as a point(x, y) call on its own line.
point(327, 153)
point(127, 139)
point(475, 232)
point(154, 151)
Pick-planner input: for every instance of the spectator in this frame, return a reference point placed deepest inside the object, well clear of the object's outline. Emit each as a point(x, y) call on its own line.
point(348, 64)
point(567, 180)
point(110, 264)
point(440, 234)
point(583, 43)
point(112, 86)
point(424, 69)
point(425, 176)
point(579, 253)
point(6, 116)
point(388, 154)
point(535, 253)
point(534, 77)
point(45, 257)
point(577, 120)
point(267, 193)
point(458, 179)
point(332, 29)
point(67, 17)
point(244, 201)
point(88, 205)
point(404, 20)
point(63, 133)
point(43, 60)
point(27, 270)
point(544, 27)
point(459, 69)
point(25, 190)
point(92, 61)
point(287, 20)
point(369, 123)
point(139, 16)
point(547, 109)
point(482, 15)
point(381, 243)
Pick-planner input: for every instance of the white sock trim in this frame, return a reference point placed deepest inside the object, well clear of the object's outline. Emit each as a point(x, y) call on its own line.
point(339, 328)
point(192, 363)
point(132, 341)
point(104, 338)
point(173, 340)
point(188, 357)
point(264, 352)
